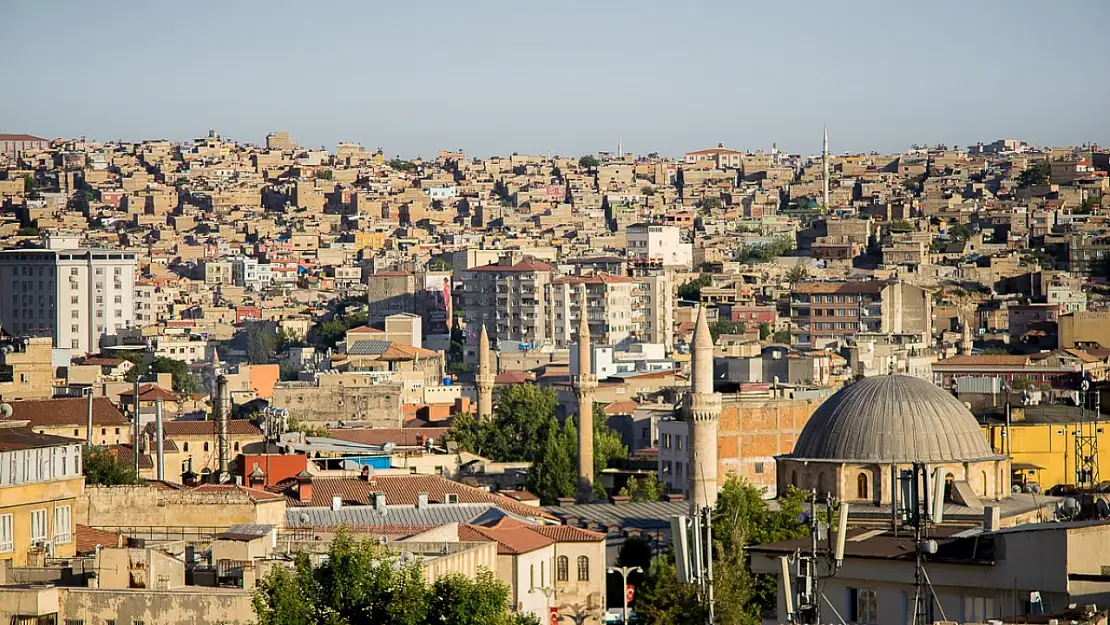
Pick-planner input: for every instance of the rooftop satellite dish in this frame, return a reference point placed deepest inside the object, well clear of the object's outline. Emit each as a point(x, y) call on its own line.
point(304, 518)
point(5, 410)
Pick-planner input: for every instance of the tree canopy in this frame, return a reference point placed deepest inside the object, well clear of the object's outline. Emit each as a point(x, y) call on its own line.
point(691, 290)
point(525, 428)
point(588, 161)
point(184, 381)
point(261, 343)
point(1037, 173)
point(646, 488)
point(104, 468)
point(361, 583)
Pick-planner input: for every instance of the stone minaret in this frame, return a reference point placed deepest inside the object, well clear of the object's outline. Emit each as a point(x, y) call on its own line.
point(966, 344)
point(584, 384)
point(484, 379)
point(703, 411)
point(825, 169)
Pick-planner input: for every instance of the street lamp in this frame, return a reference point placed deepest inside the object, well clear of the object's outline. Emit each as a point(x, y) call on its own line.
point(624, 572)
point(549, 592)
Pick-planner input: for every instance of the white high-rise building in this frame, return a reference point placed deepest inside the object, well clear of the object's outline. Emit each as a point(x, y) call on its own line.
point(74, 296)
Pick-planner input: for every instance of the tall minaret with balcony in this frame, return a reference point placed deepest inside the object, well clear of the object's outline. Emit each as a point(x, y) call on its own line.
point(825, 169)
point(703, 411)
point(584, 384)
point(484, 379)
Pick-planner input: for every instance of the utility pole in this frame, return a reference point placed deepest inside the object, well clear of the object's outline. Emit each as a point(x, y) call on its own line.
point(822, 561)
point(89, 424)
point(624, 572)
point(135, 427)
point(692, 539)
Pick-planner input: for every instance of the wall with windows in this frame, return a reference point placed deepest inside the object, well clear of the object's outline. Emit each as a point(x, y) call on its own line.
point(38, 495)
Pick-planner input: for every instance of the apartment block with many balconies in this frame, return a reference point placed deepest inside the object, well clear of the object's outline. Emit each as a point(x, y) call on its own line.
point(822, 313)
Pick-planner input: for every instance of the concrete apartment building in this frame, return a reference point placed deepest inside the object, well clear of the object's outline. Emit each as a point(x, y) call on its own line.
point(75, 296)
point(653, 299)
point(658, 246)
point(824, 312)
point(608, 305)
point(390, 293)
point(509, 298)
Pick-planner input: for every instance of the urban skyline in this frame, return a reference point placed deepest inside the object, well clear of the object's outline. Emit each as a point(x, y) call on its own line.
point(504, 77)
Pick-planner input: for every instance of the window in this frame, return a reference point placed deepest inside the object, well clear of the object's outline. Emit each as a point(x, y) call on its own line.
point(206, 446)
point(583, 569)
point(38, 526)
point(562, 569)
point(759, 468)
point(862, 606)
point(7, 544)
point(236, 445)
point(62, 525)
point(861, 486)
point(531, 576)
point(74, 621)
point(185, 447)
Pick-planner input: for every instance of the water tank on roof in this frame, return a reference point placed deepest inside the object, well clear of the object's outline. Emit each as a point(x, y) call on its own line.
point(447, 381)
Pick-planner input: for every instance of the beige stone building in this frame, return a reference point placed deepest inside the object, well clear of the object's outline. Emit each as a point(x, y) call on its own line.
point(26, 369)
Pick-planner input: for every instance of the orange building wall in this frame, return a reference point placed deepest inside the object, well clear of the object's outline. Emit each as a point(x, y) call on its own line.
point(752, 435)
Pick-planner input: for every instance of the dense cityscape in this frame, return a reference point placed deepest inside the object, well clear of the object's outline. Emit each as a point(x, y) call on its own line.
point(563, 313)
point(241, 380)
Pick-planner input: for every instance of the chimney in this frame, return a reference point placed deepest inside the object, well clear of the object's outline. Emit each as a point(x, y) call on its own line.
point(304, 486)
point(379, 502)
point(992, 519)
point(422, 501)
point(223, 413)
point(336, 502)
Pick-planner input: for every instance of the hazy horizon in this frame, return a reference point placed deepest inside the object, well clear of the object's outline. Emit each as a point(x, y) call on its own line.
point(563, 78)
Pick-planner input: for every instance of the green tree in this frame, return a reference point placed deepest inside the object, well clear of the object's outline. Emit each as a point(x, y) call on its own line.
point(647, 190)
point(524, 428)
point(402, 165)
point(28, 183)
point(102, 467)
point(901, 225)
point(588, 161)
point(1037, 173)
point(439, 263)
point(261, 344)
point(717, 328)
point(782, 336)
point(324, 174)
point(797, 273)
point(764, 331)
point(645, 488)
point(691, 290)
point(29, 231)
point(709, 204)
point(184, 381)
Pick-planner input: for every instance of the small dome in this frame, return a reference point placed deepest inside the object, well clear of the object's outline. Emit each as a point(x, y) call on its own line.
point(892, 418)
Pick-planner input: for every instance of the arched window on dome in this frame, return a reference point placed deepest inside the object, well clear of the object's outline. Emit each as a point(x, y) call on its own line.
point(949, 480)
point(862, 490)
point(986, 488)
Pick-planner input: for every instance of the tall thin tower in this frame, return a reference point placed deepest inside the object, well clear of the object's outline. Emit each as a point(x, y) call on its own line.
point(484, 379)
point(703, 411)
point(584, 384)
point(825, 169)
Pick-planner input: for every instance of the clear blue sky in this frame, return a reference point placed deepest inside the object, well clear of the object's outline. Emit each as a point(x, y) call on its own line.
point(566, 77)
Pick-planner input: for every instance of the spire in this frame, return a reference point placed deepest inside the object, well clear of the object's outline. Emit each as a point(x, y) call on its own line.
point(484, 379)
point(702, 355)
point(584, 384)
point(584, 364)
point(825, 168)
point(620, 150)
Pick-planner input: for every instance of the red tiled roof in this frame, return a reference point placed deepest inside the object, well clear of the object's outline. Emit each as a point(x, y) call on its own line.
point(982, 360)
point(88, 538)
point(66, 411)
point(150, 392)
point(510, 540)
point(240, 427)
point(568, 534)
point(20, 137)
point(514, 377)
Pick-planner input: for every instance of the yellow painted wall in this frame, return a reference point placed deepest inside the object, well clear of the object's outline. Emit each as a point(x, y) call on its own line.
point(20, 500)
point(1051, 446)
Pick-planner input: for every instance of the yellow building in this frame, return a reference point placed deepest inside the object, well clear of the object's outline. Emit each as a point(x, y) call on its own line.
point(1081, 329)
point(40, 481)
point(26, 371)
point(1042, 443)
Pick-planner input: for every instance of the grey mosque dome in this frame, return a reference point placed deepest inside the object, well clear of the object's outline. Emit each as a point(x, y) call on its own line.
point(892, 419)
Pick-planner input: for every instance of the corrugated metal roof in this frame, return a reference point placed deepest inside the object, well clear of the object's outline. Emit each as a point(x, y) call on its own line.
point(369, 347)
point(433, 515)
